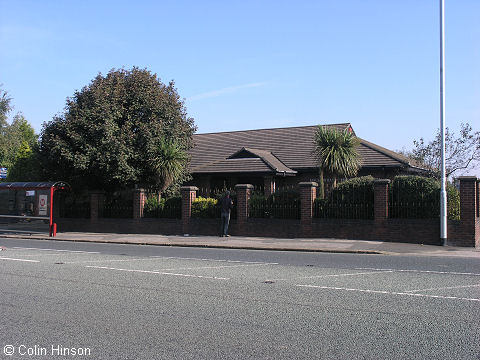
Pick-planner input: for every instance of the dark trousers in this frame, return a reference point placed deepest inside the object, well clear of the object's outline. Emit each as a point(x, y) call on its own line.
point(225, 217)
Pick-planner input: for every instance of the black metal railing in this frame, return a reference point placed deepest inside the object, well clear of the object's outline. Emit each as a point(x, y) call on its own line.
point(210, 208)
point(420, 205)
point(118, 209)
point(170, 208)
point(283, 204)
point(266, 208)
point(347, 201)
point(74, 206)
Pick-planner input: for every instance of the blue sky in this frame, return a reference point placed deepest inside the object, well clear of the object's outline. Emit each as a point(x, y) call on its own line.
point(256, 64)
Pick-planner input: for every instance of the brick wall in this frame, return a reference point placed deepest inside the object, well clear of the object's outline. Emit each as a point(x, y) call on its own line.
point(243, 196)
point(465, 232)
point(189, 194)
point(308, 193)
point(138, 203)
point(96, 205)
point(122, 226)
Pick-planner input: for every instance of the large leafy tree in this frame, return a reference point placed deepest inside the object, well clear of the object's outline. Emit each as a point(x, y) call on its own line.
point(337, 154)
point(5, 106)
point(17, 143)
point(108, 136)
point(20, 155)
point(462, 151)
point(25, 166)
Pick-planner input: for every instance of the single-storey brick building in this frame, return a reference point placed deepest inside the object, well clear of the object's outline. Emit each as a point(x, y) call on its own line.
point(271, 158)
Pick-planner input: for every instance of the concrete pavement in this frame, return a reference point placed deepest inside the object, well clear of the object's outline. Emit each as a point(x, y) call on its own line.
point(259, 243)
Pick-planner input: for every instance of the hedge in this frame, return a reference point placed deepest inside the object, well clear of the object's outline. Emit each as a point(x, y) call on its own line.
point(205, 208)
point(163, 207)
point(351, 199)
point(419, 197)
point(283, 204)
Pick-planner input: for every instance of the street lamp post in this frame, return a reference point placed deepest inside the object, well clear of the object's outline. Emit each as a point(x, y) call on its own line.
point(443, 192)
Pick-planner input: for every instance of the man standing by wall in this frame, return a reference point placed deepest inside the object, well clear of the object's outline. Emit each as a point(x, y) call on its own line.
point(226, 205)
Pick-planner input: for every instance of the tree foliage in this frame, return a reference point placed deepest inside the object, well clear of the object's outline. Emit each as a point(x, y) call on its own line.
point(5, 106)
point(111, 132)
point(337, 153)
point(19, 154)
point(419, 197)
point(18, 142)
point(25, 166)
point(462, 152)
point(168, 161)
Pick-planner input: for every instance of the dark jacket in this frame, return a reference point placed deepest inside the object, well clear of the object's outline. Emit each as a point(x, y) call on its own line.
point(226, 204)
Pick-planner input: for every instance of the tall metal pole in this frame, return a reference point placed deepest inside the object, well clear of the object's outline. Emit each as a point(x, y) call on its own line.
point(443, 192)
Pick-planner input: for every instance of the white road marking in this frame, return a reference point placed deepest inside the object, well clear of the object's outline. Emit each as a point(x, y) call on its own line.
point(422, 271)
point(249, 263)
point(59, 250)
point(215, 267)
point(30, 255)
point(388, 292)
point(199, 259)
point(158, 272)
point(443, 288)
point(24, 260)
point(104, 261)
point(333, 275)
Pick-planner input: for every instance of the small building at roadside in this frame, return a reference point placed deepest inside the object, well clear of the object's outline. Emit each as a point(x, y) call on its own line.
point(273, 158)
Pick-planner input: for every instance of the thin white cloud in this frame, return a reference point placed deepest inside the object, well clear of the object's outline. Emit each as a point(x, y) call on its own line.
point(227, 90)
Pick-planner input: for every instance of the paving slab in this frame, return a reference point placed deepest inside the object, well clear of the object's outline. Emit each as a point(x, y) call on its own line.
point(260, 243)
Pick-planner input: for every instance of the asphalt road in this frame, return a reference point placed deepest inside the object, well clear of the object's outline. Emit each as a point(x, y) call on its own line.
point(109, 301)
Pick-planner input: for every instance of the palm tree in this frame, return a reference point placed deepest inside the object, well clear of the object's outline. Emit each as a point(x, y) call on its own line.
point(337, 153)
point(168, 161)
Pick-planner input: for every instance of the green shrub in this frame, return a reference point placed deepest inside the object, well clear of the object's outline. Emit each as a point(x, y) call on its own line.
point(284, 196)
point(163, 207)
point(414, 197)
point(351, 199)
point(414, 187)
point(366, 181)
point(283, 204)
point(453, 203)
point(152, 204)
point(354, 191)
point(205, 208)
point(257, 198)
point(419, 197)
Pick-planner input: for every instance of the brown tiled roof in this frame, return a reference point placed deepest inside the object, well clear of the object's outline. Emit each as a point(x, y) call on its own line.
point(247, 160)
point(399, 157)
point(290, 147)
point(267, 157)
point(255, 165)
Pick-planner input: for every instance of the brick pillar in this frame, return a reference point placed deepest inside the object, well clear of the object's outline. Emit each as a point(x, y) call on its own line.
point(478, 198)
point(138, 203)
point(308, 193)
point(381, 199)
point(189, 194)
point(469, 213)
point(96, 205)
point(269, 185)
point(243, 197)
